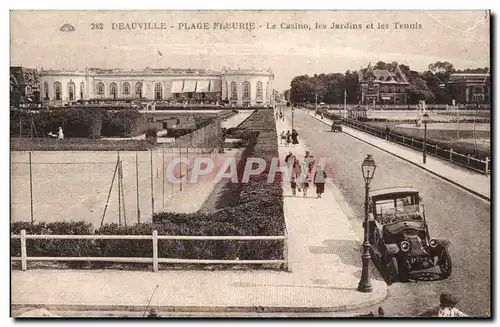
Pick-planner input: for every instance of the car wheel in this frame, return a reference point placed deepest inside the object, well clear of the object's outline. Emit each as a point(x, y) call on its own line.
point(393, 270)
point(444, 263)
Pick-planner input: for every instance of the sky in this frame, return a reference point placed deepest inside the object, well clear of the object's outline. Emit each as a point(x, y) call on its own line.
point(460, 37)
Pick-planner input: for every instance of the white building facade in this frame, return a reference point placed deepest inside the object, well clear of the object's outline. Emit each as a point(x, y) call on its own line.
point(237, 87)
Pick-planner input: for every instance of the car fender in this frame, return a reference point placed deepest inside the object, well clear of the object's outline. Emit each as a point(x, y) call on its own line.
point(392, 248)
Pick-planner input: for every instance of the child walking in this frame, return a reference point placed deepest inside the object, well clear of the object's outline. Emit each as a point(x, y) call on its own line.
point(306, 177)
point(293, 184)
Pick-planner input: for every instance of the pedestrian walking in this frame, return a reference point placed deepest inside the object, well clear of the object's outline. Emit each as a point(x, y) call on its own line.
point(296, 170)
point(153, 313)
point(282, 137)
point(288, 138)
point(295, 135)
point(293, 184)
point(281, 116)
point(319, 181)
point(447, 308)
point(306, 179)
point(387, 132)
point(289, 159)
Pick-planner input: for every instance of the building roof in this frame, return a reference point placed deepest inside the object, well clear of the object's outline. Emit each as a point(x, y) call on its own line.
point(383, 75)
point(393, 190)
point(469, 77)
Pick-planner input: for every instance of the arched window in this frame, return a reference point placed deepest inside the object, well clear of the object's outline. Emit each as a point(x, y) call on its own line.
point(158, 91)
point(113, 90)
point(46, 90)
point(246, 91)
point(57, 91)
point(71, 91)
point(126, 89)
point(138, 89)
point(234, 91)
point(259, 93)
point(82, 88)
point(100, 89)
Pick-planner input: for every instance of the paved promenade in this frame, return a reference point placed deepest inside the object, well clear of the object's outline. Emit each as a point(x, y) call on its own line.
point(476, 183)
point(324, 254)
point(237, 119)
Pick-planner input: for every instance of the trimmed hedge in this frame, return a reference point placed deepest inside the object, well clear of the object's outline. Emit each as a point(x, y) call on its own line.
point(80, 122)
point(257, 211)
point(77, 144)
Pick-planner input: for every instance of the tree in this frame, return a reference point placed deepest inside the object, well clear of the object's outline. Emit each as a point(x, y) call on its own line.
point(380, 65)
point(441, 67)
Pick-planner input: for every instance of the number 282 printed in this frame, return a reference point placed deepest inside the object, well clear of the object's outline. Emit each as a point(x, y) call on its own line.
point(96, 26)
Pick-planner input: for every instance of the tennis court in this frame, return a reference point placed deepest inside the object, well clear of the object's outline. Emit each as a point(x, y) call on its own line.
point(74, 186)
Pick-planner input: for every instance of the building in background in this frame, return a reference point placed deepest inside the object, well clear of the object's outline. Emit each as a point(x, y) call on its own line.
point(235, 87)
point(470, 88)
point(24, 86)
point(381, 86)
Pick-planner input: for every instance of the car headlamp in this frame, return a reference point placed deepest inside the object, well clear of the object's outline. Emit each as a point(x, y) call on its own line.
point(405, 246)
point(433, 243)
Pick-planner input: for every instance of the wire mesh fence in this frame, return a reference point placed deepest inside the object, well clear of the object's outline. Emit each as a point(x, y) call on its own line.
point(102, 186)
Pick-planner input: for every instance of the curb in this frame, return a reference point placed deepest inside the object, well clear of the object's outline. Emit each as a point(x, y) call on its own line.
point(482, 196)
point(204, 309)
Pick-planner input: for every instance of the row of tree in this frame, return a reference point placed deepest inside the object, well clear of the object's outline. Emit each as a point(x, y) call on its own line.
point(430, 85)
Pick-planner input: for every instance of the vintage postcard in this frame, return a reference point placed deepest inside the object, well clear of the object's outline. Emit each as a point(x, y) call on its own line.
point(265, 163)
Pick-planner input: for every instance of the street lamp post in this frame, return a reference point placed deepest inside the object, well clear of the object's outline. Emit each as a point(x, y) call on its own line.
point(425, 118)
point(293, 110)
point(368, 168)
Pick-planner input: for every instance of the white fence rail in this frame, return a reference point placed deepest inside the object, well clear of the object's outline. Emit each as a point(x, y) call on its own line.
point(155, 259)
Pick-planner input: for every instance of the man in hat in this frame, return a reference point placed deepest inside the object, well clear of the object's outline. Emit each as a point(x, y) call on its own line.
point(447, 303)
point(153, 313)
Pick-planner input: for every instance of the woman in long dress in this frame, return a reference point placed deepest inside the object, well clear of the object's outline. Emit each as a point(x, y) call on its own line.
point(296, 170)
point(319, 181)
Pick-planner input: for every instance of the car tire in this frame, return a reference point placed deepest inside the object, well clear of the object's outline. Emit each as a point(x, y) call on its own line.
point(444, 263)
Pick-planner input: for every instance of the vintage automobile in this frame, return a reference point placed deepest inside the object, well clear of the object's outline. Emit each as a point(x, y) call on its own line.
point(337, 126)
point(399, 235)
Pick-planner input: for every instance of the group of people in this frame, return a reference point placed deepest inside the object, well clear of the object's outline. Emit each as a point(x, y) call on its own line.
point(302, 174)
point(289, 138)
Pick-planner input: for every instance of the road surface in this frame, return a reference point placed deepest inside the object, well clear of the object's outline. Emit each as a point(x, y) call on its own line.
point(452, 214)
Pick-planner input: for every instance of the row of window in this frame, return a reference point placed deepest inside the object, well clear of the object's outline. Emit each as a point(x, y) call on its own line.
point(158, 90)
point(57, 91)
point(113, 90)
point(246, 91)
point(387, 88)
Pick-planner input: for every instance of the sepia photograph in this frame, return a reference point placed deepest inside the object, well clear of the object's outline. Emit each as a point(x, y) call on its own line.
point(250, 164)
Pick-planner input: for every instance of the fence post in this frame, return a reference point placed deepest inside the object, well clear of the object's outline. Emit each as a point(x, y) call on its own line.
point(451, 154)
point(486, 166)
point(436, 149)
point(286, 266)
point(155, 250)
point(412, 142)
point(468, 159)
point(24, 263)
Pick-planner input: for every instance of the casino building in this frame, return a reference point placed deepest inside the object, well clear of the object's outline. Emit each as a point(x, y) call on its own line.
point(240, 87)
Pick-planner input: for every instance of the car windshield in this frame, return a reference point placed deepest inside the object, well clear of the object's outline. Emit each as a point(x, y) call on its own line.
point(389, 211)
